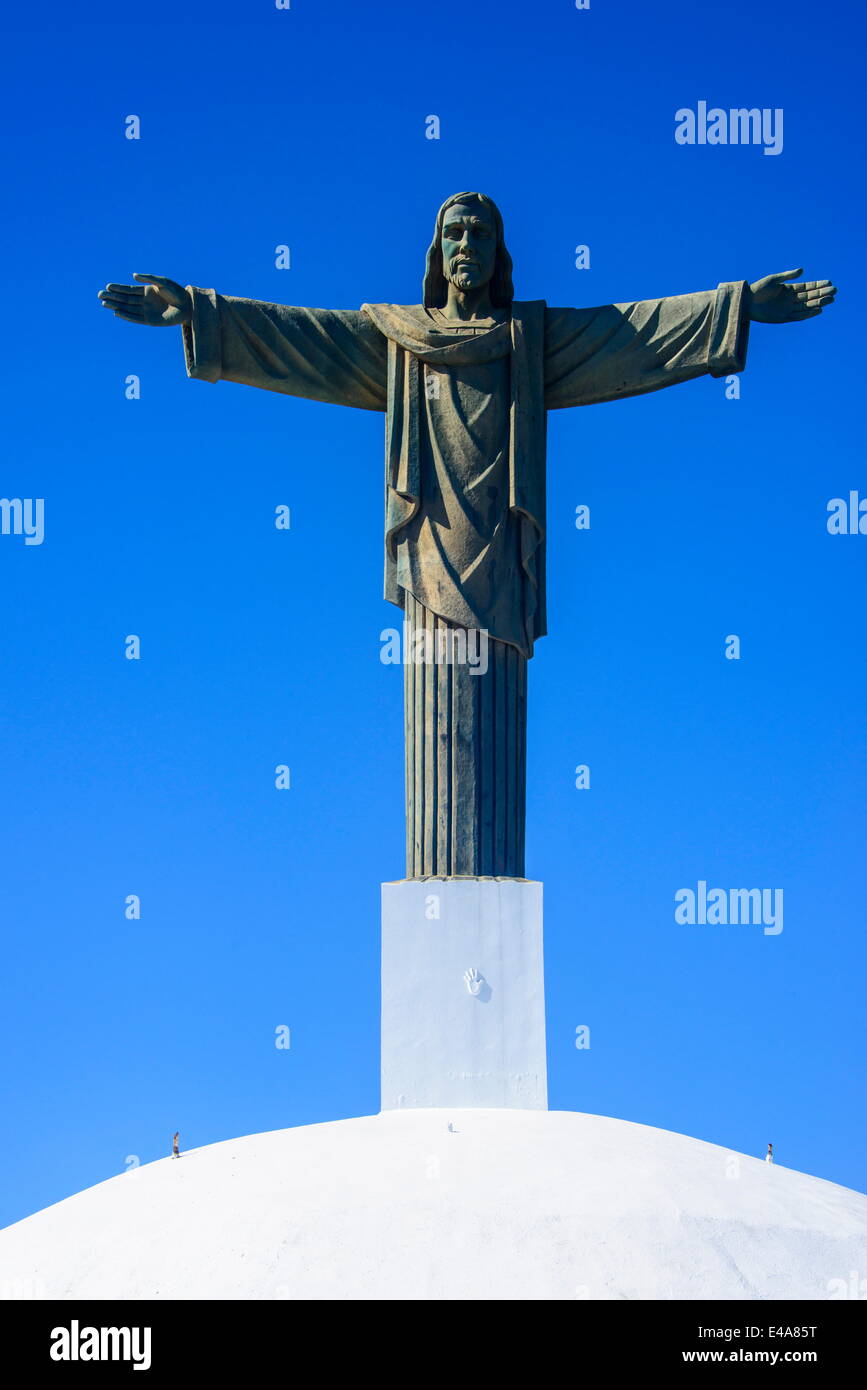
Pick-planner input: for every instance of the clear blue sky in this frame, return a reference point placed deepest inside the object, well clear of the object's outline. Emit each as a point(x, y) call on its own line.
point(259, 647)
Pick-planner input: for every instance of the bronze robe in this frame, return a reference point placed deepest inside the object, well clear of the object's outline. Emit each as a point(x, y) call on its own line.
point(465, 408)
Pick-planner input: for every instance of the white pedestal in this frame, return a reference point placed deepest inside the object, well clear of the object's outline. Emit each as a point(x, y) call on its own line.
point(453, 1038)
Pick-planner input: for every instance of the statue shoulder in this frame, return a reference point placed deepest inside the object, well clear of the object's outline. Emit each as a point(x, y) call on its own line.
point(414, 314)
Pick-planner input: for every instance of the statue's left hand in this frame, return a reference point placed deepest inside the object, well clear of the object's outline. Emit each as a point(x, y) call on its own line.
point(774, 301)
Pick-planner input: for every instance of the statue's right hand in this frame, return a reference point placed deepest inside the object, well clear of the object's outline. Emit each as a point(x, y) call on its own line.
point(156, 301)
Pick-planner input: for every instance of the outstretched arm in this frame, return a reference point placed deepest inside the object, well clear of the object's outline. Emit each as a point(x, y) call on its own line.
point(322, 354)
point(619, 350)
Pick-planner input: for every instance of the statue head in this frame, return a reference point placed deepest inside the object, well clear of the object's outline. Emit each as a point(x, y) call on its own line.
point(468, 249)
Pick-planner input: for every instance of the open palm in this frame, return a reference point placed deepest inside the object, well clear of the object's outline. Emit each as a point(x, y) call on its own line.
point(158, 302)
point(775, 301)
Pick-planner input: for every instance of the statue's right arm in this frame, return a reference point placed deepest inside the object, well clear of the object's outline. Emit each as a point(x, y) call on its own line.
point(322, 354)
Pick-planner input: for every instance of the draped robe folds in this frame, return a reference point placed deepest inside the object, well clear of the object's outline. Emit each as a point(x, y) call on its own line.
point(465, 406)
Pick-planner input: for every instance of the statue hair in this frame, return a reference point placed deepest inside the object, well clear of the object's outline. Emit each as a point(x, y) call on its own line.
point(435, 286)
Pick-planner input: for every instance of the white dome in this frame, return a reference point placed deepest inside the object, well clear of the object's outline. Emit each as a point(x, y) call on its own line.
point(515, 1204)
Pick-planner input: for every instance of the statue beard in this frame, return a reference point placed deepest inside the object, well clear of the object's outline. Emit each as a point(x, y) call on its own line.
point(461, 281)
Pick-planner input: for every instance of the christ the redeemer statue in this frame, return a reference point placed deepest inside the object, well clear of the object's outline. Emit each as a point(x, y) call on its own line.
point(465, 380)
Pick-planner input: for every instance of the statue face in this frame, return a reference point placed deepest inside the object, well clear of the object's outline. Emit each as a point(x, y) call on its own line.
point(469, 246)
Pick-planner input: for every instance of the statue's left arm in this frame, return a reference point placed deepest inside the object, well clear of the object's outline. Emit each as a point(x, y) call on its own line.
point(618, 350)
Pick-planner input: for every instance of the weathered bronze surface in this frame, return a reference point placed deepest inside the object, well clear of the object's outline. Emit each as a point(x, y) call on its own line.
point(465, 380)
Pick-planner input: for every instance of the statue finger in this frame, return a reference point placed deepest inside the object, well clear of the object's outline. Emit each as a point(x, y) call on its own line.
point(160, 282)
point(775, 281)
point(131, 315)
point(121, 297)
point(126, 289)
point(170, 290)
point(115, 301)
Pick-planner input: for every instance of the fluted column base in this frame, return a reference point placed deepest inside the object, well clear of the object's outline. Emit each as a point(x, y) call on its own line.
point(466, 752)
